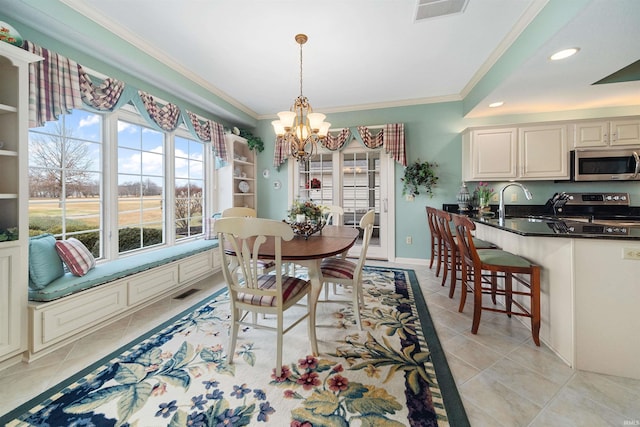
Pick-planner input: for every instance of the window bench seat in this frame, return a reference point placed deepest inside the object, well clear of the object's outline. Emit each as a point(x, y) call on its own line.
point(71, 307)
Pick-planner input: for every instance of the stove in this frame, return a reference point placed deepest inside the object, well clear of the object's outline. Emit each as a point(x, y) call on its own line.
point(592, 206)
point(565, 226)
point(597, 199)
point(593, 213)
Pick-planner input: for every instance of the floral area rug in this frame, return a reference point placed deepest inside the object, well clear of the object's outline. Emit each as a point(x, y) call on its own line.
point(392, 373)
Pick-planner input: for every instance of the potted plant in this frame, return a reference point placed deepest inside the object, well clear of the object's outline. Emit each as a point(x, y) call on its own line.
point(419, 174)
point(254, 142)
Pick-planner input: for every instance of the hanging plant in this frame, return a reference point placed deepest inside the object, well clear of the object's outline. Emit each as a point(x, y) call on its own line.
point(255, 142)
point(418, 175)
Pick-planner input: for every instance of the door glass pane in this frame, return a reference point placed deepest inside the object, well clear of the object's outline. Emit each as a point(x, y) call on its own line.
point(316, 180)
point(361, 189)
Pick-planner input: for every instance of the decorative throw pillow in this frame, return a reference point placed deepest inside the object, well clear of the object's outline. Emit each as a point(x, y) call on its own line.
point(44, 263)
point(78, 259)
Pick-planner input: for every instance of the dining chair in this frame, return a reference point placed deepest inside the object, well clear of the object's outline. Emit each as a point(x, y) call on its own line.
point(334, 214)
point(344, 272)
point(240, 240)
point(240, 211)
point(481, 269)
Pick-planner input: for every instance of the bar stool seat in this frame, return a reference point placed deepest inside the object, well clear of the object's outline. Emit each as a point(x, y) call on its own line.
point(487, 266)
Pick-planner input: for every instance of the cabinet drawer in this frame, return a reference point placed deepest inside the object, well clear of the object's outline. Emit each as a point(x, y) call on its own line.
point(196, 265)
point(144, 286)
point(76, 314)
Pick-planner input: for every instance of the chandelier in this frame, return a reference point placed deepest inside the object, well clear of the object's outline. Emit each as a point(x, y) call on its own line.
point(300, 128)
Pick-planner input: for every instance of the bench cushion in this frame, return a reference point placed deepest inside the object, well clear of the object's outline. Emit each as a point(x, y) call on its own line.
point(108, 271)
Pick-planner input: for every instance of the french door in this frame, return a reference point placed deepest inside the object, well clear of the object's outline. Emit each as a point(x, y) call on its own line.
point(357, 179)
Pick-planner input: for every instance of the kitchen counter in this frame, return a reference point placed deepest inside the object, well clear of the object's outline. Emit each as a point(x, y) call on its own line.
point(567, 228)
point(589, 291)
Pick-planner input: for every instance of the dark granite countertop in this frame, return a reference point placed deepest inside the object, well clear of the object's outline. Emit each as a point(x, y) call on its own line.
point(543, 227)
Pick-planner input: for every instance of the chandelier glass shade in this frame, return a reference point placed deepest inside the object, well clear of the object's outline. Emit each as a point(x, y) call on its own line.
point(300, 128)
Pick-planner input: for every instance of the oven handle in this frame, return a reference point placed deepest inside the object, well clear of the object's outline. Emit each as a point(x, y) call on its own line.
point(637, 170)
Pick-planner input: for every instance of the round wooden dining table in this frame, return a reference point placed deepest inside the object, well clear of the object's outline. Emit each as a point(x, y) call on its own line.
point(331, 240)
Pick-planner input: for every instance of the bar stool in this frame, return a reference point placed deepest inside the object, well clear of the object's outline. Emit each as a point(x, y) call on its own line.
point(436, 239)
point(450, 254)
point(499, 264)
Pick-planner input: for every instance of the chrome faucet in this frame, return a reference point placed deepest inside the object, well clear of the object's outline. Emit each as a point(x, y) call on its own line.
point(527, 194)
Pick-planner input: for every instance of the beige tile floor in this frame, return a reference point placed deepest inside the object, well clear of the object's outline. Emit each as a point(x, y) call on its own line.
point(503, 378)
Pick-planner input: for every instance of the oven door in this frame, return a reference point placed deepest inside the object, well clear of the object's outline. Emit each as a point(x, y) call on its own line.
point(605, 165)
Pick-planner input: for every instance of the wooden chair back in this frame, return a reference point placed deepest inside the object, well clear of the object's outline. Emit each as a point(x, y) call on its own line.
point(244, 236)
point(334, 214)
point(239, 211)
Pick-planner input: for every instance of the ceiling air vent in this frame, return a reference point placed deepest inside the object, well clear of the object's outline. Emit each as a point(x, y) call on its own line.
point(432, 8)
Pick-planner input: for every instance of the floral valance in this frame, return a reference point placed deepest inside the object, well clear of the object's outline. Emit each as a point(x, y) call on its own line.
point(389, 136)
point(58, 84)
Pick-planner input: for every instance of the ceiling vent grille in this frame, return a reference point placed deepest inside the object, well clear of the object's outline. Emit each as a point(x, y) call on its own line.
point(433, 8)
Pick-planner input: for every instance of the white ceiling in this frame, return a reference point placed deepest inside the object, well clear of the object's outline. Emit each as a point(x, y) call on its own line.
point(363, 53)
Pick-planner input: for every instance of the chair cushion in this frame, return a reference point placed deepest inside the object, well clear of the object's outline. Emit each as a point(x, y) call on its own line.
point(503, 258)
point(45, 264)
point(76, 256)
point(291, 287)
point(482, 244)
point(265, 265)
point(338, 268)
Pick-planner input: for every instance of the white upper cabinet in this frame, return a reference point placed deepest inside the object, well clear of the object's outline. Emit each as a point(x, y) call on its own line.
point(525, 153)
point(605, 133)
point(543, 152)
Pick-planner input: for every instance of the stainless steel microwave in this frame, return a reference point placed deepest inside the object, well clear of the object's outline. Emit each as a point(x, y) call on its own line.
point(605, 165)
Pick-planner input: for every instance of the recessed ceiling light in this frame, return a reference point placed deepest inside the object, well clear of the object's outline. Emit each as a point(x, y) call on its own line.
point(496, 104)
point(565, 53)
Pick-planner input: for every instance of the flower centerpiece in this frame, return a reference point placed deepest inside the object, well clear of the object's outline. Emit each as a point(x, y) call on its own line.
point(483, 195)
point(306, 218)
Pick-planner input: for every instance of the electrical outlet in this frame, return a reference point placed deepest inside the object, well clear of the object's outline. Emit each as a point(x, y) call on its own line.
point(514, 197)
point(631, 253)
point(409, 197)
point(494, 197)
point(409, 240)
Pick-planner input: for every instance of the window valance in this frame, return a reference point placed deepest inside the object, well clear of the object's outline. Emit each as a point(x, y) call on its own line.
point(389, 136)
point(58, 84)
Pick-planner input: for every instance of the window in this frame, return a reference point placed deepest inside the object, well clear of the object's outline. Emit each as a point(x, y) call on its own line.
point(189, 186)
point(141, 165)
point(137, 189)
point(65, 176)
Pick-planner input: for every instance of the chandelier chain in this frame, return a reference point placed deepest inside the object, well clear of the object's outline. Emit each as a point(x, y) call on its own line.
point(300, 69)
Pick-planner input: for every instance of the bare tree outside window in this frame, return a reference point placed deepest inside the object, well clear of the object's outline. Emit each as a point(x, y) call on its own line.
point(60, 165)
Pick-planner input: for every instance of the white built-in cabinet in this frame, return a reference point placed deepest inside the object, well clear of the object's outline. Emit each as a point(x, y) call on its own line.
point(14, 230)
point(236, 181)
point(536, 152)
point(605, 133)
